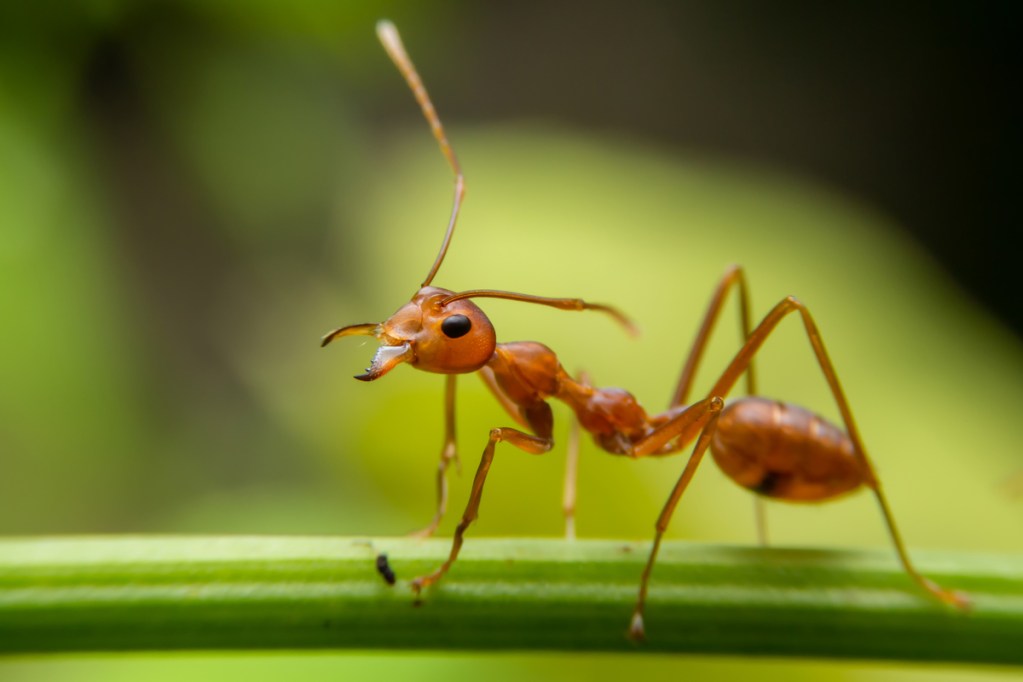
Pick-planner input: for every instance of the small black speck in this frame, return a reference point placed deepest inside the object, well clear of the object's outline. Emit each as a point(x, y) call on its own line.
point(384, 569)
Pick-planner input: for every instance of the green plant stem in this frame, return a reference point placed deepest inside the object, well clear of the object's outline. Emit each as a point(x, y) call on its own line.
point(163, 593)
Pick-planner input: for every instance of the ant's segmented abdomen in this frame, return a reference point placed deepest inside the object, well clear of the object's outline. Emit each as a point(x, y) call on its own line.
point(785, 452)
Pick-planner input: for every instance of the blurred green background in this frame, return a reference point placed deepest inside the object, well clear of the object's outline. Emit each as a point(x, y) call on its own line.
point(192, 193)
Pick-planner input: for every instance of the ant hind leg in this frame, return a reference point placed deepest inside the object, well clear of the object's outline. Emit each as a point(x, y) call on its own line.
point(739, 365)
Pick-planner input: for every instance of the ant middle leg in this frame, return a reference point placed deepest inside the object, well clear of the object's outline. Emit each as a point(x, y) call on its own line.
point(568, 495)
point(703, 416)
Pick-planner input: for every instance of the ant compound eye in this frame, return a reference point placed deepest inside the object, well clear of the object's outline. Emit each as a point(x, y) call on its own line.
point(456, 326)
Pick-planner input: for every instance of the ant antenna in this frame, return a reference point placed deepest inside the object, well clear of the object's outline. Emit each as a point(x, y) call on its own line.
point(559, 303)
point(391, 41)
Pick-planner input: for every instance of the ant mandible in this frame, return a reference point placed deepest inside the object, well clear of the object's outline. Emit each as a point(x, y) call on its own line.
point(771, 448)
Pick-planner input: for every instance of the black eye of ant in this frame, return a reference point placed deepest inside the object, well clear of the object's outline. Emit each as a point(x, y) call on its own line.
point(456, 326)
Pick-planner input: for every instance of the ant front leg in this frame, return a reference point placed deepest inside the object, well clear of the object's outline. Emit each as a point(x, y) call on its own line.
point(568, 495)
point(536, 445)
point(448, 454)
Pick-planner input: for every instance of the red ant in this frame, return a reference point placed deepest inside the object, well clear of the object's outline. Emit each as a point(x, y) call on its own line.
point(774, 449)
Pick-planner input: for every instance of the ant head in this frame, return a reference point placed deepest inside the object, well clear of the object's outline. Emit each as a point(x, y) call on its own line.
point(428, 333)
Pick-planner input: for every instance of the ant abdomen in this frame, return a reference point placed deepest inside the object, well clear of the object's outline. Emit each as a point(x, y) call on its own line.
point(784, 451)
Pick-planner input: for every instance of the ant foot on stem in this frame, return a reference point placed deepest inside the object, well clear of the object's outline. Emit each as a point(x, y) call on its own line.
point(955, 598)
point(637, 633)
